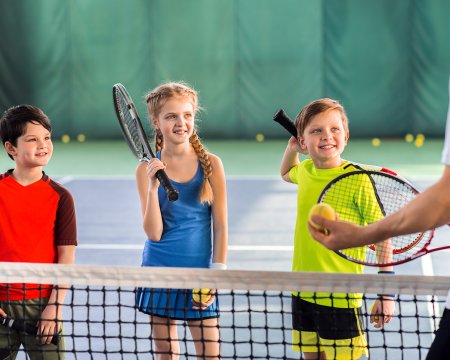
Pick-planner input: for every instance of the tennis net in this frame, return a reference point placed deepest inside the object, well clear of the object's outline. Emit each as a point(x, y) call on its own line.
point(101, 320)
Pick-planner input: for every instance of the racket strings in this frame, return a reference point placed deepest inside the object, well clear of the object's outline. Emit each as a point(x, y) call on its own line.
point(130, 126)
point(366, 197)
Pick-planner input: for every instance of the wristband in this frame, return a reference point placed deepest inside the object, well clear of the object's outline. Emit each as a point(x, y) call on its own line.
point(387, 272)
point(218, 266)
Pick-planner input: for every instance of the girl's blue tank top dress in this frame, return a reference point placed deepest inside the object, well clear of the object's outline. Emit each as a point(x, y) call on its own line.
point(186, 241)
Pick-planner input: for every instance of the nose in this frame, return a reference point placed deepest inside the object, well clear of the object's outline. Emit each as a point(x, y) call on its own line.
point(326, 134)
point(41, 143)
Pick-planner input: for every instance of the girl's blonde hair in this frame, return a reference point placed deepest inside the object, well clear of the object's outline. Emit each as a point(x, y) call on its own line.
point(155, 100)
point(316, 107)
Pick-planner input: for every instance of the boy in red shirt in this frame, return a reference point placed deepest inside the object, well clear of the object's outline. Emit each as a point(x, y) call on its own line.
point(37, 225)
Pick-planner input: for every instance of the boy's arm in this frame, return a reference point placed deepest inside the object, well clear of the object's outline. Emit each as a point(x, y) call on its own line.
point(290, 158)
point(50, 322)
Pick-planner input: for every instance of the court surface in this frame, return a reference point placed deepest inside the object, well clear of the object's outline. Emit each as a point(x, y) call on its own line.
point(261, 207)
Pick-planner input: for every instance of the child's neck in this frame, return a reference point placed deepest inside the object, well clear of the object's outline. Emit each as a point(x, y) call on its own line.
point(27, 176)
point(328, 164)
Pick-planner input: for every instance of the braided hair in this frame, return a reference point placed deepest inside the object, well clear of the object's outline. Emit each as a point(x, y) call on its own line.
point(155, 100)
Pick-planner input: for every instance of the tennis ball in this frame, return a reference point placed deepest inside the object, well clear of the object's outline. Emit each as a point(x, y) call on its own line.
point(376, 316)
point(376, 142)
point(259, 137)
point(81, 138)
point(65, 138)
point(323, 210)
point(201, 295)
point(420, 138)
point(409, 138)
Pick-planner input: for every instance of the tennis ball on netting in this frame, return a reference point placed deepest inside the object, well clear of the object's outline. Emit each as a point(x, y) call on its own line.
point(409, 138)
point(65, 138)
point(323, 210)
point(376, 316)
point(259, 137)
point(376, 142)
point(81, 138)
point(201, 295)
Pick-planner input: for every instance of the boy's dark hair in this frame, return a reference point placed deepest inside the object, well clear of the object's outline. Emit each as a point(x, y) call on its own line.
point(14, 121)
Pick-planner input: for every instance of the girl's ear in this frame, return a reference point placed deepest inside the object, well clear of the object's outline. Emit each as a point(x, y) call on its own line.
point(155, 123)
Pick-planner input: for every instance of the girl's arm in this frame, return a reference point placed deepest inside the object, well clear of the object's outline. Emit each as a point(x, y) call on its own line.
point(147, 185)
point(219, 211)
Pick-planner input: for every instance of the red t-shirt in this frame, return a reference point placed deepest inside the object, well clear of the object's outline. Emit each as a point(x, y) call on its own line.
point(34, 220)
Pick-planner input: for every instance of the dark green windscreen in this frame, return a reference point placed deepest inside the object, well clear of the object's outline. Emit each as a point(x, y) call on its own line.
point(388, 62)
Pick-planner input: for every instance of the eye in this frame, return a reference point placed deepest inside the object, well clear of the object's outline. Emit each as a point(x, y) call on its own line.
point(316, 131)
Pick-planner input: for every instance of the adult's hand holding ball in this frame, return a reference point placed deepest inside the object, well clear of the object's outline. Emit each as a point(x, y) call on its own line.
point(323, 210)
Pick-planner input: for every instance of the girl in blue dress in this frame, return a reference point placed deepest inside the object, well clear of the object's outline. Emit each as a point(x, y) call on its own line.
point(189, 232)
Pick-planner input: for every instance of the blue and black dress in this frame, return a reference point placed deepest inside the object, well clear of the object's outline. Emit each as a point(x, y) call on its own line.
point(186, 241)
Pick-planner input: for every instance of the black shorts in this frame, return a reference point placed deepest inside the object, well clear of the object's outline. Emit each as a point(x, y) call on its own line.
point(439, 347)
point(329, 322)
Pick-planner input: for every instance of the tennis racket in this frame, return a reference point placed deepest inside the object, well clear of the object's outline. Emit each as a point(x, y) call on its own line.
point(22, 327)
point(365, 196)
point(134, 133)
point(285, 121)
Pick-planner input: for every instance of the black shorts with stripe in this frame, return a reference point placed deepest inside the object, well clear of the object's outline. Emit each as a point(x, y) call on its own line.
point(329, 322)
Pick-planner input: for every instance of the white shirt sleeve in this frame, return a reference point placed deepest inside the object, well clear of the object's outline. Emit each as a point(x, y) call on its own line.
point(446, 151)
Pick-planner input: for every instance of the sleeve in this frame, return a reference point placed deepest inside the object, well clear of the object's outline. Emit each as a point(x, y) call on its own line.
point(293, 174)
point(65, 224)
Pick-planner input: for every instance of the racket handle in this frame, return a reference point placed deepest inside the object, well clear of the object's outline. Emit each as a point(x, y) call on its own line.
point(285, 121)
point(25, 328)
point(172, 194)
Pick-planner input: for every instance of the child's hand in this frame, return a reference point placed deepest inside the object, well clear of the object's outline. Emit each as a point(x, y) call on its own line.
point(49, 324)
point(2, 313)
point(153, 166)
point(382, 311)
point(203, 305)
point(294, 146)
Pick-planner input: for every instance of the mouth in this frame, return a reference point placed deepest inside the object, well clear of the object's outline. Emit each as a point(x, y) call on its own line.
point(41, 154)
point(180, 132)
point(327, 147)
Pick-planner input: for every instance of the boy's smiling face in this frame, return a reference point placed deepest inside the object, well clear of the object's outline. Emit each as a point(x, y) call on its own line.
point(34, 148)
point(325, 138)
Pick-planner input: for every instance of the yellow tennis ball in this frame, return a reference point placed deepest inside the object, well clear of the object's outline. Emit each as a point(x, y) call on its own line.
point(81, 138)
point(420, 137)
point(376, 142)
point(65, 138)
point(259, 137)
point(409, 138)
point(419, 142)
point(323, 210)
point(201, 295)
point(376, 316)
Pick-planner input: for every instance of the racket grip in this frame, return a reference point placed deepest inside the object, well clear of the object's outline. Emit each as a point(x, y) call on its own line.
point(26, 328)
point(285, 121)
point(172, 193)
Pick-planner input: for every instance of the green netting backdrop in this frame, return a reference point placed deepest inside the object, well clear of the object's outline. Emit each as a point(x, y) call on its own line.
point(387, 61)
